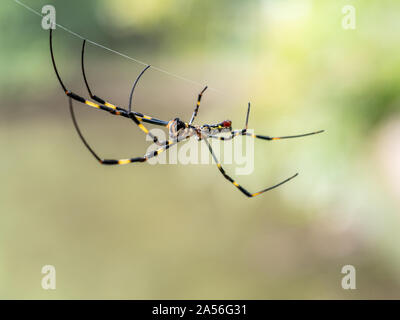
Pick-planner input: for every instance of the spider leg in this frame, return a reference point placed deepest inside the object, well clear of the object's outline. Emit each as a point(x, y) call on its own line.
point(109, 107)
point(243, 190)
point(92, 96)
point(196, 109)
point(139, 115)
point(150, 119)
point(244, 132)
point(134, 86)
point(236, 133)
point(247, 116)
point(166, 145)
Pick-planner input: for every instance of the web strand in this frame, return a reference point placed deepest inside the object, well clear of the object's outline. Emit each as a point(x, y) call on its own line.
point(116, 52)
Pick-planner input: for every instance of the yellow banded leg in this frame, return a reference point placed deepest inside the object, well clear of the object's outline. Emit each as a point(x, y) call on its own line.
point(166, 145)
point(196, 109)
point(243, 190)
point(252, 135)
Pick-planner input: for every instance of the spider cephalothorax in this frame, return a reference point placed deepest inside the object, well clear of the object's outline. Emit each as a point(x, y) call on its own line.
point(178, 130)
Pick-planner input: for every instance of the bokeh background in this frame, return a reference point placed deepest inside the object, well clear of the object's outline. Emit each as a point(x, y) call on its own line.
point(182, 231)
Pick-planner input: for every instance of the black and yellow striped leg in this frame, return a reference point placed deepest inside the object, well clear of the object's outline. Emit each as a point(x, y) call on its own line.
point(258, 136)
point(244, 132)
point(132, 115)
point(103, 104)
point(92, 96)
point(98, 158)
point(166, 145)
point(252, 135)
point(234, 134)
point(139, 115)
point(243, 190)
point(196, 109)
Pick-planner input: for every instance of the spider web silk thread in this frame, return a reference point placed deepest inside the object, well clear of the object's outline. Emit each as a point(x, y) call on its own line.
point(117, 52)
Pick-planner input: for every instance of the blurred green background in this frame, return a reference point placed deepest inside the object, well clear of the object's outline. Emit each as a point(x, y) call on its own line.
point(180, 232)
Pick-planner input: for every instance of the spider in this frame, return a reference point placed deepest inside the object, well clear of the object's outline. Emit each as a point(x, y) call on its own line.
point(178, 129)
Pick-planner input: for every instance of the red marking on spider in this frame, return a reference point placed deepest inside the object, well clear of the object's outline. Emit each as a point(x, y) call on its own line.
point(227, 123)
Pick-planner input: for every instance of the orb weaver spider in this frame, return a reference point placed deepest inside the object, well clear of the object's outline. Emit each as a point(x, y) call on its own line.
point(178, 129)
